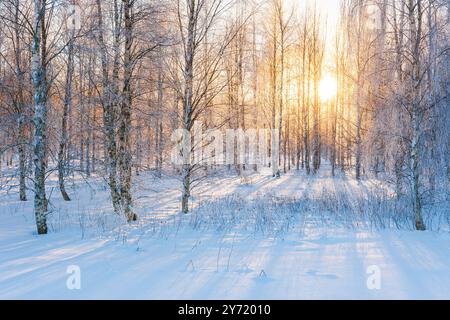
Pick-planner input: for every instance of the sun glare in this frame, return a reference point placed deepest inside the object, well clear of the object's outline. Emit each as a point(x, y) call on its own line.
point(327, 88)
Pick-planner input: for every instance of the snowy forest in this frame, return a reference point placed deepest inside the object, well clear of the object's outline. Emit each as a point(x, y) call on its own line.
point(224, 149)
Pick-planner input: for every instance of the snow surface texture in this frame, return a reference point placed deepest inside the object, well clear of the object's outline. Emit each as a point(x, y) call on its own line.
point(246, 238)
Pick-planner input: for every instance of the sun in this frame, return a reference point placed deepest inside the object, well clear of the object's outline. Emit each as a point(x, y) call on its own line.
point(327, 88)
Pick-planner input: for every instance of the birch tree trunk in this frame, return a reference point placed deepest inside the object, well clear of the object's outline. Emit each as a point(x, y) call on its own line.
point(415, 24)
point(281, 88)
point(306, 65)
point(159, 125)
point(20, 105)
point(40, 117)
point(275, 138)
point(125, 157)
point(316, 74)
point(187, 99)
point(359, 85)
point(109, 116)
point(66, 104)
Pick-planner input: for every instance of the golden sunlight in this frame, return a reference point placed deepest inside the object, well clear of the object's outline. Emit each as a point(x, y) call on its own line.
point(327, 88)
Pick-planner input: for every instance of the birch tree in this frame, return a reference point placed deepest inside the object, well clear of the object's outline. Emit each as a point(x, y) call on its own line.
point(40, 114)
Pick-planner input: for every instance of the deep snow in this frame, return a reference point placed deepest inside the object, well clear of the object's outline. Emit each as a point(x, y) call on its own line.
point(242, 241)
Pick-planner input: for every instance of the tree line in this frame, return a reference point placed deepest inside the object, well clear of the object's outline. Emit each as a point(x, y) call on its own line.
point(97, 87)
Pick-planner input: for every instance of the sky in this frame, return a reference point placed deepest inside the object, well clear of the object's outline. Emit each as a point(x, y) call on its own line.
point(329, 10)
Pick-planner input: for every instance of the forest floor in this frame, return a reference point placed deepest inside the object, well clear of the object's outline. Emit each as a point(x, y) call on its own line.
point(246, 238)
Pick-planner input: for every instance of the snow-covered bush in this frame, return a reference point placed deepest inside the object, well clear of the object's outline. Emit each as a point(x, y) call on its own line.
point(269, 216)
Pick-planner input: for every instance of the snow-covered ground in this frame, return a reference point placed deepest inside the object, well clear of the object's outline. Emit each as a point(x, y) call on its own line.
point(246, 238)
